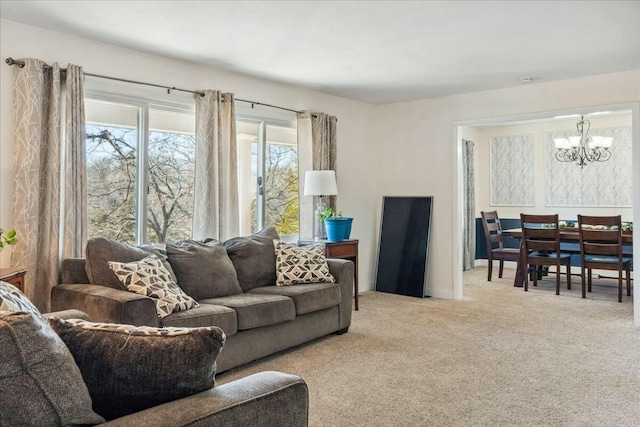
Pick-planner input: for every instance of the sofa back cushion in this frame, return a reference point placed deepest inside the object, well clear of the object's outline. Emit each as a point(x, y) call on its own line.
point(128, 369)
point(203, 269)
point(40, 383)
point(100, 251)
point(254, 258)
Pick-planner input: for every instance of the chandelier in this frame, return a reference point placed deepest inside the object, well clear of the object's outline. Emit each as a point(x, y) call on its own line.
point(583, 148)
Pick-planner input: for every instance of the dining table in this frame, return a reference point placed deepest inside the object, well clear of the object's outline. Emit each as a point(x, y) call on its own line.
point(567, 235)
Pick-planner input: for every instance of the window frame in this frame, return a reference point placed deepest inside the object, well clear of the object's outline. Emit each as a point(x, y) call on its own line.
point(142, 146)
point(261, 135)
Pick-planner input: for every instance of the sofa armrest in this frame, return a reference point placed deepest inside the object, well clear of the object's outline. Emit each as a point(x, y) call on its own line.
point(67, 314)
point(262, 399)
point(344, 273)
point(104, 304)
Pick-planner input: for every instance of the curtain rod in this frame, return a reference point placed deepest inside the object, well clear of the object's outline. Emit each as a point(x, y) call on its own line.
point(10, 61)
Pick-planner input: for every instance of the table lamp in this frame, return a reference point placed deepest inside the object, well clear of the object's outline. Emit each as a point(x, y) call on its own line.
point(320, 183)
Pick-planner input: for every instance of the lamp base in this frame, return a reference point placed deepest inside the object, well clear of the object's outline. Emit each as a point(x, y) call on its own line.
point(319, 232)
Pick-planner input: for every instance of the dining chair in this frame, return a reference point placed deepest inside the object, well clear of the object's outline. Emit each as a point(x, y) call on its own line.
point(601, 248)
point(493, 236)
point(541, 246)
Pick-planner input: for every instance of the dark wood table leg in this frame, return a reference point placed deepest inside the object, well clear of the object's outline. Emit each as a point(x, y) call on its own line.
point(355, 283)
point(518, 281)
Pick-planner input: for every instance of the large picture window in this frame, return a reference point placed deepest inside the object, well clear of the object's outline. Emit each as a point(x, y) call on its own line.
point(133, 144)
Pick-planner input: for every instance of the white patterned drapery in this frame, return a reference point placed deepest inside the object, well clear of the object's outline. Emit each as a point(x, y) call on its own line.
point(39, 156)
point(75, 166)
point(601, 184)
point(216, 211)
point(319, 132)
point(469, 207)
point(512, 170)
point(37, 167)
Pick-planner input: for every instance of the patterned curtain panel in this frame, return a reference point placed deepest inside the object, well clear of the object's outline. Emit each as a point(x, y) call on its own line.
point(323, 146)
point(512, 170)
point(305, 163)
point(37, 102)
point(469, 207)
point(216, 211)
point(75, 166)
point(601, 184)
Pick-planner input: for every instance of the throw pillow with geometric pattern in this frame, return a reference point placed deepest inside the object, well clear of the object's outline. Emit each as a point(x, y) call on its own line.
point(150, 277)
point(12, 300)
point(300, 264)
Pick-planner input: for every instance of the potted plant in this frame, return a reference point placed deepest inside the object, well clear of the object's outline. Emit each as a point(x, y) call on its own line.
point(338, 227)
point(7, 238)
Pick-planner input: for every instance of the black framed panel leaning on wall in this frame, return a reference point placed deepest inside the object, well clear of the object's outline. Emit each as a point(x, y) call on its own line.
point(404, 245)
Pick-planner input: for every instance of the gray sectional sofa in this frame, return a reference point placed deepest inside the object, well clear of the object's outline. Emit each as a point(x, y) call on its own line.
point(240, 296)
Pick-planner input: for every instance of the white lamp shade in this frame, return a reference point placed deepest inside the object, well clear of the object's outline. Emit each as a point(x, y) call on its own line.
point(601, 141)
point(320, 183)
point(574, 141)
point(562, 143)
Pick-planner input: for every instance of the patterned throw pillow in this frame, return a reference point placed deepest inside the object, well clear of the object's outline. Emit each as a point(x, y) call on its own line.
point(300, 264)
point(12, 300)
point(149, 277)
point(128, 369)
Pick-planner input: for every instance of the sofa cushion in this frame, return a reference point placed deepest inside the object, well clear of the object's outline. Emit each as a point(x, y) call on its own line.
point(300, 264)
point(11, 299)
point(254, 311)
point(100, 251)
point(150, 278)
point(205, 315)
point(40, 383)
point(307, 297)
point(203, 269)
point(254, 258)
point(128, 369)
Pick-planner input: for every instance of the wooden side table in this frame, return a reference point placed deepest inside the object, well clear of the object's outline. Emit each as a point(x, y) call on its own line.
point(15, 276)
point(345, 249)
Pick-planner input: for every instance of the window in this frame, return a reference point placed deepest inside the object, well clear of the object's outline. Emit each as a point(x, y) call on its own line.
point(133, 145)
point(268, 176)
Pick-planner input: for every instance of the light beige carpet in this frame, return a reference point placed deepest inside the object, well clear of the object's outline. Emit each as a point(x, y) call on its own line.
point(499, 357)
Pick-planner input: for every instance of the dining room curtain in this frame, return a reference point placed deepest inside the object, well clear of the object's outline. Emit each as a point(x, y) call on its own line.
point(36, 215)
point(469, 207)
point(216, 210)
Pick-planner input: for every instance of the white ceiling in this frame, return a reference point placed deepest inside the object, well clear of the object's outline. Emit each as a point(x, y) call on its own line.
point(372, 51)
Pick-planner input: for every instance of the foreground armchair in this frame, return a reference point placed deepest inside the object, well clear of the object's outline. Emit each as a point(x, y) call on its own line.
point(262, 399)
point(62, 369)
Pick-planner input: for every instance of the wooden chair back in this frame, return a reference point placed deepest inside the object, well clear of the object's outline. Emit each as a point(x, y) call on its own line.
point(540, 233)
point(600, 235)
point(492, 230)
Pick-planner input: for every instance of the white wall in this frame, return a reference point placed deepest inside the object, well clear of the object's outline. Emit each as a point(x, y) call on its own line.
point(538, 130)
point(417, 153)
point(355, 157)
point(404, 148)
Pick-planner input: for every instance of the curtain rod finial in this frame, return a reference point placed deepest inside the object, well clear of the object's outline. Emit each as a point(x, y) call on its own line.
point(10, 61)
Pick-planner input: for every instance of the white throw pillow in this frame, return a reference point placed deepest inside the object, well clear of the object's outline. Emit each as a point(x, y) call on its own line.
point(150, 277)
point(300, 264)
point(12, 300)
